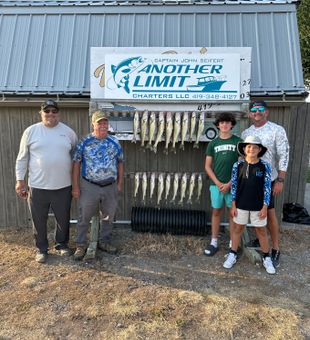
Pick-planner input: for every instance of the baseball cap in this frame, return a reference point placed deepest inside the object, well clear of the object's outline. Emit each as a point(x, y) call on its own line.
point(49, 102)
point(98, 115)
point(258, 103)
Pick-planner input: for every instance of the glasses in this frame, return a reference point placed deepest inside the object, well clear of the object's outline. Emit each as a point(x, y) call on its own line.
point(259, 109)
point(53, 111)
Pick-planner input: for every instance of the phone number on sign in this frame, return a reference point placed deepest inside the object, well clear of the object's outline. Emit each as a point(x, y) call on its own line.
point(215, 96)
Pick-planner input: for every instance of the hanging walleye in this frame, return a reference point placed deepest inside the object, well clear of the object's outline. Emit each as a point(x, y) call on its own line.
point(161, 129)
point(144, 121)
point(152, 128)
point(185, 124)
point(136, 126)
point(192, 181)
point(137, 182)
point(144, 186)
point(169, 129)
point(193, 126)
point(160, 187)
point(167, 186)
point(152, 184)
point(199, 186)
point(183, 188)
point(201, 127)
point(176, 129)
point(175, 186)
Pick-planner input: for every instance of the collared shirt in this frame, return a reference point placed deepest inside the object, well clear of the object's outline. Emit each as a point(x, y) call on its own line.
point(273, 137)
point(99, 158)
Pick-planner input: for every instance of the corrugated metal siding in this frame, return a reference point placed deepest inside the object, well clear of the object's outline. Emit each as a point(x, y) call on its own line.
point(49, 53)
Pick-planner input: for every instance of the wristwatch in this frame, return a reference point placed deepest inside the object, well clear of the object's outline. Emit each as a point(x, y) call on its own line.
point(280, 179)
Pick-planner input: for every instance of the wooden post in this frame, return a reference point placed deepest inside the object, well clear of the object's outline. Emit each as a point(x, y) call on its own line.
point(93, 238)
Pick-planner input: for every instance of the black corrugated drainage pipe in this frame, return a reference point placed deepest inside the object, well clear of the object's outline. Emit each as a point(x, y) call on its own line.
point(172, 221)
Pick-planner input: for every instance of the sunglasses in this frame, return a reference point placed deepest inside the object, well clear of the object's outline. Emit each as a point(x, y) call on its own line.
point(48, 111)
point(259, 109)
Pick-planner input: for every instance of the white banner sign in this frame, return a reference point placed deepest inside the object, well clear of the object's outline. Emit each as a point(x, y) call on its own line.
point(172, 77)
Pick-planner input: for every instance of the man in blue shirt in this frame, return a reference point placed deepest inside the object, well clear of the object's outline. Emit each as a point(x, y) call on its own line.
point(98, 160)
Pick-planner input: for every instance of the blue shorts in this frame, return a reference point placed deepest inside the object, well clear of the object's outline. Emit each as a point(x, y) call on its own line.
point(218, 198)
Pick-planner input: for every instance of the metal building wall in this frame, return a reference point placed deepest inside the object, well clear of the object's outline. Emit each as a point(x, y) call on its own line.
point(46, 48)
point(13, 212)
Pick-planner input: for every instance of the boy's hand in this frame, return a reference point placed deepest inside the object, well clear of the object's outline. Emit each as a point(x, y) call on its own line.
point(233, 209)
point(263, 213)
point(225, 188)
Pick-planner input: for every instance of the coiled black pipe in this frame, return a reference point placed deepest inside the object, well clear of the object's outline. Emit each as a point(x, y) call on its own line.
point(172, 221)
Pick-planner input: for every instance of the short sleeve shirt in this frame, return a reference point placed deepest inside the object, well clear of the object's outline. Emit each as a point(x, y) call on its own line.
point(224, 154)
point(99, 158)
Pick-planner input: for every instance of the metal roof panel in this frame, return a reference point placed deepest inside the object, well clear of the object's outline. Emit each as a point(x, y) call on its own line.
point(50, 50)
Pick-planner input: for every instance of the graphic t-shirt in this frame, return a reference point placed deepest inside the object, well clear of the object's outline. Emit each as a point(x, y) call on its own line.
point(224, 154)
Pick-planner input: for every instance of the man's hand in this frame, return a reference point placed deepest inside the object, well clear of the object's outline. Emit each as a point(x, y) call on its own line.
point(76, 192)
point(21, 189)
point(225, 188)
point(277, 188)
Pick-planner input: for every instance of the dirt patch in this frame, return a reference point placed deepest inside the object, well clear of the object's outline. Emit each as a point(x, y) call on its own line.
point(156, 287)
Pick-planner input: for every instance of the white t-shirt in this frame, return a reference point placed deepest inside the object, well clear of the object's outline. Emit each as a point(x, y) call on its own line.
point(46, 154)
point(273, 137)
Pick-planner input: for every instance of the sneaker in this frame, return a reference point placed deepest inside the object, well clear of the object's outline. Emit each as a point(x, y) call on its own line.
point(107, 247)
point(41, 257)
point(275, 257)
point(254, 244)
point(231, 259)
point(79, 253)
point(211, 250)
point(267, 263)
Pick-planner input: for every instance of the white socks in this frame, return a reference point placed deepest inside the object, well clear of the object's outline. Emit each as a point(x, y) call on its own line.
point(214, 242)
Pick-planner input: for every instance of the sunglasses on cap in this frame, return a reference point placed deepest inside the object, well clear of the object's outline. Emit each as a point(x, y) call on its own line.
point(259, 109)
point(53, 111)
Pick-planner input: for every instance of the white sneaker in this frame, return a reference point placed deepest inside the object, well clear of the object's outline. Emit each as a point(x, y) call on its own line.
point(231, 259)
point(267, 263)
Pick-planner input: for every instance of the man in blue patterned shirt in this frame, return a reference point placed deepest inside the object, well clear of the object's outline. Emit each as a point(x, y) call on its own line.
point(98, 160)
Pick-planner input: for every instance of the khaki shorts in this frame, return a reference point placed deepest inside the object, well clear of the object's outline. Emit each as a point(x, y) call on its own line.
point(244, 215)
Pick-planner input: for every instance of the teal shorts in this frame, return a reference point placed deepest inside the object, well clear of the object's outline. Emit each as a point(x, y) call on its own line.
point(218, 198)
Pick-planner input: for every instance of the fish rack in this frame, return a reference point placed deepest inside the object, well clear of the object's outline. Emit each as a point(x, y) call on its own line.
point(172, 221)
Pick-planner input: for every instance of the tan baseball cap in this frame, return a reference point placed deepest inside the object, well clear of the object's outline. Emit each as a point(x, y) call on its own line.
point(98, 115)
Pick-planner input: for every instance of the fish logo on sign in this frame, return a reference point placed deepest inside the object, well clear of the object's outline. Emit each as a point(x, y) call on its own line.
point(122, 71)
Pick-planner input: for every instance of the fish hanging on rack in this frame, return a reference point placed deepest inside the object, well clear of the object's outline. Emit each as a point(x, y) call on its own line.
point(144, 186)
point(199, 186)
point(201, 127)
point(185, 124)
point(152, 128)
point(193, 126)
point(183, 188)
point(169, 129)
point(192, 181)
point(144, 121)
point(136, 126)
point(137, 183)
point(176, 129)
point(161, 129)
point(152, 184)
point(160, 187)
point(167, 186)
point(175, 186)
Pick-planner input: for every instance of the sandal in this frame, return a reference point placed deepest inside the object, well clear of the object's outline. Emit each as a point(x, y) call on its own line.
point(211, 250)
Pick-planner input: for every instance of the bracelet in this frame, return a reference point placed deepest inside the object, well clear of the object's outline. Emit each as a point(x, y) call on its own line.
point(280, 179)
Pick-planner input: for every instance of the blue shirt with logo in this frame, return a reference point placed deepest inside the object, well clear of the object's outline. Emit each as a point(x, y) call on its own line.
point(99, 158)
